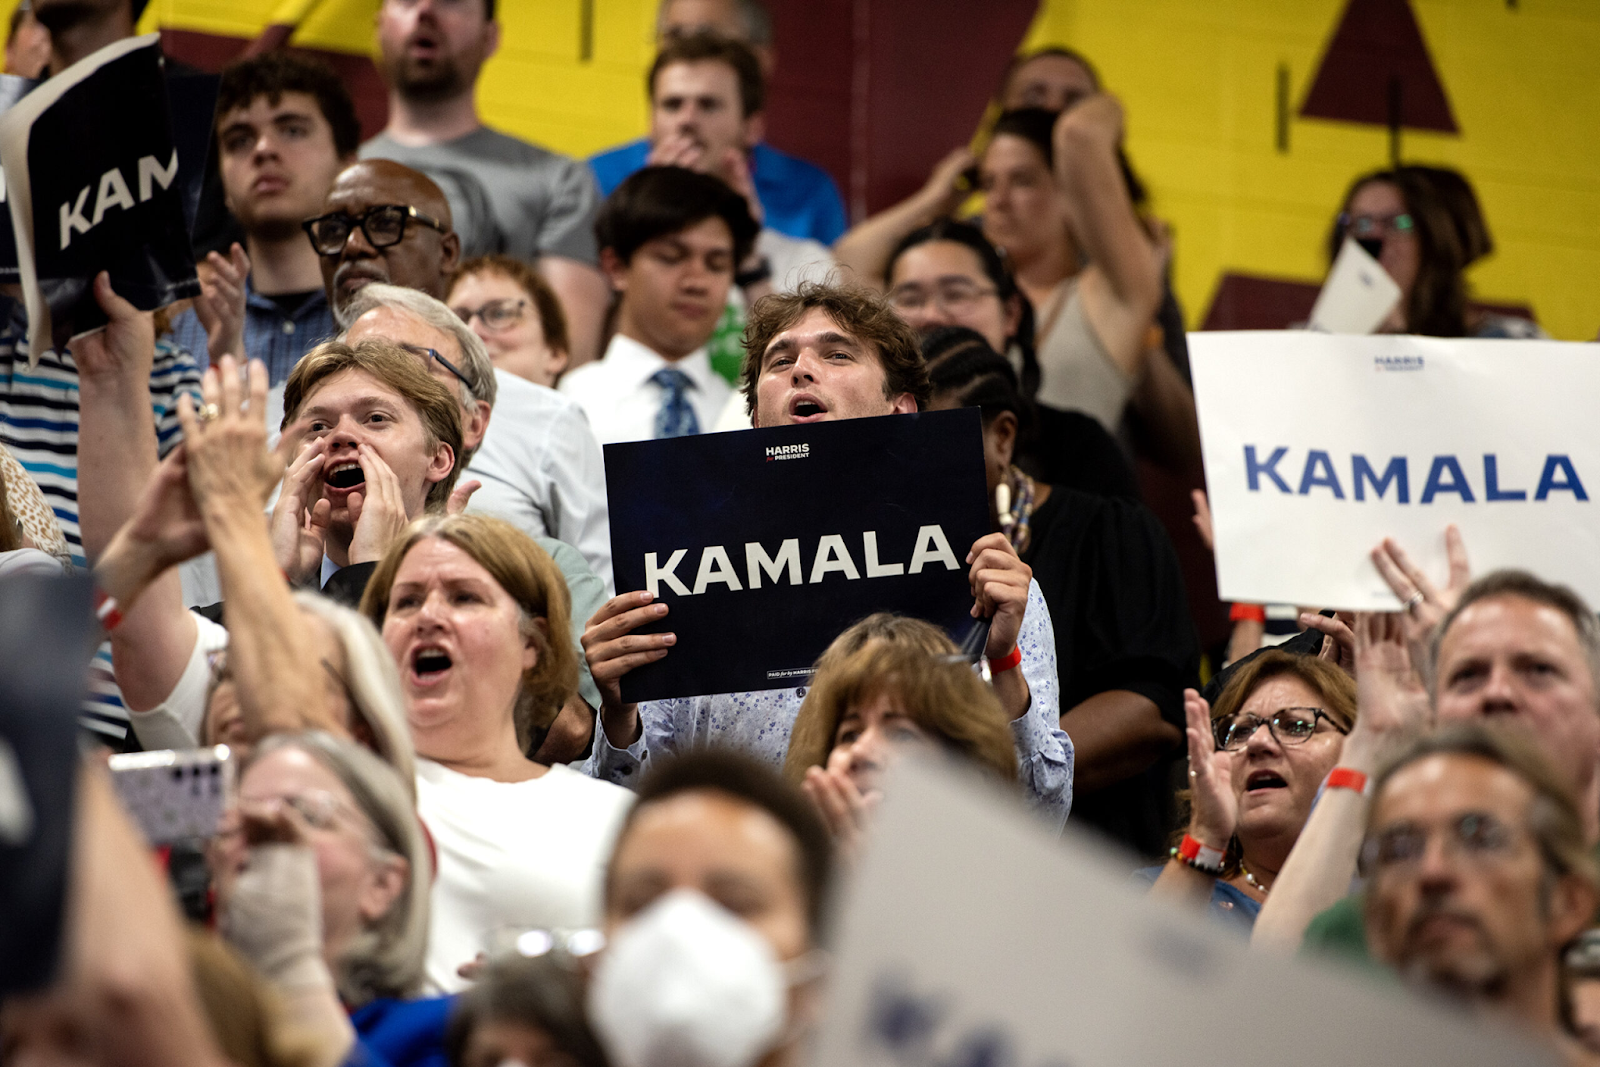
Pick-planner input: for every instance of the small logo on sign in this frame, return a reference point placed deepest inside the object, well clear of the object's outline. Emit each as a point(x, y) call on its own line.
point(1387, 363)
point(800, 451)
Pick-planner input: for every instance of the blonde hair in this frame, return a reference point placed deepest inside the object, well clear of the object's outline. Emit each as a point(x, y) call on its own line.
point(396, 368)
point(373, 683)
point(909, 660)
point(529, 576)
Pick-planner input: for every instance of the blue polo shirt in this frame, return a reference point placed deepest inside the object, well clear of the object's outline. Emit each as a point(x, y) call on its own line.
point(799, 198)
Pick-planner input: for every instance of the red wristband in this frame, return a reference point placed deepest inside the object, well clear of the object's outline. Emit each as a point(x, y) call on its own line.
point(1001, 664)
point(1247, 613)
point(1200, 857)
point(107, 611)
point(1345, 778)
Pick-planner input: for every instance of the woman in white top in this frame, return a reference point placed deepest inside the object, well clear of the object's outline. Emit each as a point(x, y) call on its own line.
point(475, 615)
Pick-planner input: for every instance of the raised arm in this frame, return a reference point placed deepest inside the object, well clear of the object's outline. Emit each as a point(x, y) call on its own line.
point(270, 651)
point(1391, 703)
point(865, 248)
point(116, 468)
point(1122, 287)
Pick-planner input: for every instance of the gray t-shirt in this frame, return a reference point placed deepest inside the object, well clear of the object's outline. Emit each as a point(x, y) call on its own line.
point(506, 195)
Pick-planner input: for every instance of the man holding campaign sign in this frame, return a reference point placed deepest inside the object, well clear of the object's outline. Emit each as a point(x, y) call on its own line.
point(823, 355)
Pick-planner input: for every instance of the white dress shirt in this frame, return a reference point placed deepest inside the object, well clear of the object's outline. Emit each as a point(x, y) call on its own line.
point(622, 402)
point(541, 471)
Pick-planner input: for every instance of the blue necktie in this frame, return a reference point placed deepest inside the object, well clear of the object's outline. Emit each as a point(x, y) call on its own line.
point(676, 418)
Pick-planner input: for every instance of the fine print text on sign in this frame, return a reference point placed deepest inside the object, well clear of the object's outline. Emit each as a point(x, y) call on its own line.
point(765, 544)
point(1317, 447)
point(942, 960)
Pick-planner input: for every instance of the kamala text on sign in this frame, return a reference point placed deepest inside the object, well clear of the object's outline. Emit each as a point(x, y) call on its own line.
point(1445, 475)
point(1316, 449)
point(762, 563)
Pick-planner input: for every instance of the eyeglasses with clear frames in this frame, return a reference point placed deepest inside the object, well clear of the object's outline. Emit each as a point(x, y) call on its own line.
point(497, 316)
point(1288, 726)
point(1475, 836)
point(957, 296)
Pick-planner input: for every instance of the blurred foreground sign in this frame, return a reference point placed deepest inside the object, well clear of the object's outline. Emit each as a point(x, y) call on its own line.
point(1318, 447)
point(972, 938)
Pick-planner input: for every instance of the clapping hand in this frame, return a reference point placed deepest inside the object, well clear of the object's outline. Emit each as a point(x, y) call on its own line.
point(1213, 806)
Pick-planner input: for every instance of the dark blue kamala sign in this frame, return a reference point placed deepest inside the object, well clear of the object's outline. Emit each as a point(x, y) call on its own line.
point(766, 544)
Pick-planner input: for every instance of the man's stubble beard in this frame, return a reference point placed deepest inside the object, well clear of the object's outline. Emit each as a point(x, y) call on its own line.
point(435, 83)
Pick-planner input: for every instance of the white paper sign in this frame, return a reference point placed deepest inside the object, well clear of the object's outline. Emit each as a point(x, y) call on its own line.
point(1318, 447)
point(972, 937)
point(1358, 295)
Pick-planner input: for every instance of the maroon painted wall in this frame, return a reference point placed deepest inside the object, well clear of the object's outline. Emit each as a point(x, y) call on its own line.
point(877, 91)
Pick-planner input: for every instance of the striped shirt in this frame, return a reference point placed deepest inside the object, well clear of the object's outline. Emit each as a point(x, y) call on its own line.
point(39, 424)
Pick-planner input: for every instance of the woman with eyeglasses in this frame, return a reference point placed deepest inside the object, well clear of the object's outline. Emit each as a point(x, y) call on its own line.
point(890, 684)
point(948, 274)
point(517, 314)
point(321, 873)
point(1424, 226)
point(1256, 761)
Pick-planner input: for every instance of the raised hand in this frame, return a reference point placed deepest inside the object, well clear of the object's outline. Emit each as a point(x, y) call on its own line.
point(1425, 603)
point(945, 188)
point(461, 496)
point(125, 348)
point(1390, 697)
point(999, 582)
point(220, 306)
point(229, 463)
point(300, 520)
point(612, 649)
point(842, 806)
point(1213, 805)
point(165, 528)
point(378, 514)
point(1341, 651)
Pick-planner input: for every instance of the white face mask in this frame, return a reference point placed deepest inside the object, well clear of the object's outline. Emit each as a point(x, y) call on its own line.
point(687, 984)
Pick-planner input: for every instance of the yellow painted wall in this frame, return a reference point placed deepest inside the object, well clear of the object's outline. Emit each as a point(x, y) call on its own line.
point(1198, 78)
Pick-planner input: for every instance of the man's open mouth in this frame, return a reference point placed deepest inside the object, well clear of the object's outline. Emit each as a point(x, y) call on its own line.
point(346, 476)
point(805, 407)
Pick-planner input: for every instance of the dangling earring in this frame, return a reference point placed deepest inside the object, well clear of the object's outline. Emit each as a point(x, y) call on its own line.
point(1002, 503)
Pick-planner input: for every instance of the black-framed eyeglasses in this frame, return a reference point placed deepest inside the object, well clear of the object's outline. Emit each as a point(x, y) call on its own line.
point(1289, 726)
point(496, 315)
point(383, 225)
point(433, 354)
point(1476, 835)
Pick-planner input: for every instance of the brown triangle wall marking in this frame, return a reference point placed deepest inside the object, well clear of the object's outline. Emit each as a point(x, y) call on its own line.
point(1378, 45)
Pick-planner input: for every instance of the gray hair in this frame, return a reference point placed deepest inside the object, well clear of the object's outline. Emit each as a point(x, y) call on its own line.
point(475, 362)
point(1528, 586)
point(387, 958)
point(373, 682)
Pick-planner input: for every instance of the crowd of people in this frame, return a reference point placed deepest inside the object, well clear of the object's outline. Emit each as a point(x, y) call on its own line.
point(347, 514)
